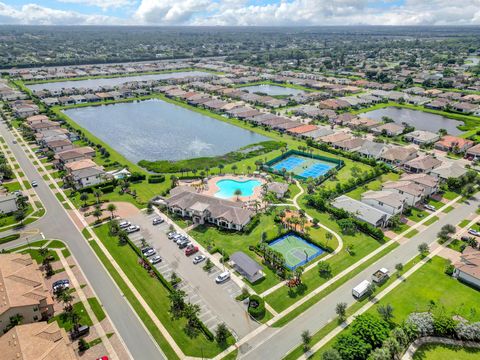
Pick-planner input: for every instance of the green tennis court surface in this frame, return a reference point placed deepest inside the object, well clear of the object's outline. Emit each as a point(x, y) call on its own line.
point(295, 250)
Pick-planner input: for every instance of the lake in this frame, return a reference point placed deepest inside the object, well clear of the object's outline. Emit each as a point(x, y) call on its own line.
point(157, 130)
point(419, 119)
point(272, 90)
point(98, 82)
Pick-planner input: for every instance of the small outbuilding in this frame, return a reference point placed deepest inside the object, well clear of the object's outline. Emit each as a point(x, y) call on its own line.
point(247, 267)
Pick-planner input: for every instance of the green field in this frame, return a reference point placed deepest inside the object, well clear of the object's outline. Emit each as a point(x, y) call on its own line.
point(446, 352)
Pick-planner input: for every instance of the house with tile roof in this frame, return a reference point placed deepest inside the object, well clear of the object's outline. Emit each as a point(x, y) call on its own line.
point(468, 268)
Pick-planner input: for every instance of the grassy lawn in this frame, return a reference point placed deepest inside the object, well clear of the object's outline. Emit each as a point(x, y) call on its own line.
point(431, 220)
point(401, 228)
point(449, 195)
point(417, 215)
point(447, 209)
point(6, 220)
point(35, 254)
point(411, 234)
point(96, 308)
point(12, 186)
point(413, 295)
point(362, 245)
point(66, 323)
point(464, 223)
point(446, 352)
point(437, 204)
point(374, 185)
point(229, 242)
point(456, 245)
point(156, 334)
point(156, 295)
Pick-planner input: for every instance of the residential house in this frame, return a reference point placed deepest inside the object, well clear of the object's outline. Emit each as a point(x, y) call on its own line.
point(23, 290)
point(72, 155)
point(57, 145)
point(454, 144)
point(387, 201)
point(350, 144)
point(41, 340)
point(87, 176)
point(421, 137)
point(389, 129)
point(335, 137)
point(428, 182)
point(464, 107)
point(371, 149)
point(204, 209)
point(361, 211)
point(422, 164)
point(448, 170)
point(468, 268)
point(397, 155)
point(44, 126)
point(8, 203)
point(278, 188)
point(473, 153)
point(412, 192)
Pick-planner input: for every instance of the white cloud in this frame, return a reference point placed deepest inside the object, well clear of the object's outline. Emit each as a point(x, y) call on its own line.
point(102, 4)
point(33, 14)
point(170, 12)
point(239, 12)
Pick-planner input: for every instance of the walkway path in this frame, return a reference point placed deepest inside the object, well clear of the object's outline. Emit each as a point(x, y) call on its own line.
point(383, 293)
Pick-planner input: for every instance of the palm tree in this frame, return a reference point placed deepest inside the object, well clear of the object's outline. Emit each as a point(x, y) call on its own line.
point(237, 193)
point(97, 213)
point(249, 168)
point(66, 298)
point(174, 180)
point(112, 208)
point(98, 194)
point(234, 168)
point(84, 198)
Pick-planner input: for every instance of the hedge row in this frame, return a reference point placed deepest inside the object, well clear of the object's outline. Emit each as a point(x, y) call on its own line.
point(156, 179)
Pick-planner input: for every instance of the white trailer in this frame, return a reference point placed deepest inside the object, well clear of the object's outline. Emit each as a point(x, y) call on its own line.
point(361, 289)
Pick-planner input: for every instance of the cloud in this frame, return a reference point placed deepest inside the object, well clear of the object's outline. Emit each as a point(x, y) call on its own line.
point(102, 4)
point(248, 12)
point(33, 14)
point(170, 12)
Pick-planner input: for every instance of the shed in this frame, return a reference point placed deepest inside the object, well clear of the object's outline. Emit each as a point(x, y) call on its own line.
point(246, 266)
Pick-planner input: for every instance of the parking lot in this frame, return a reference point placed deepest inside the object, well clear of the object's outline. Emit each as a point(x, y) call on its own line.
point(217, 301)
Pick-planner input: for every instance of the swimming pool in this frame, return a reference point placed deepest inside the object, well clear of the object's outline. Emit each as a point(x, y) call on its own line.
point(227, 188)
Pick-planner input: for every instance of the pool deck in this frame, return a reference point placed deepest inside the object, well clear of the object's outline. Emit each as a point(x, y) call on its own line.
point(213, 188)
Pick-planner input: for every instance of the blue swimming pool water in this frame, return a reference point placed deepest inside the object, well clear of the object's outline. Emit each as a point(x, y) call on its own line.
point(227, 188)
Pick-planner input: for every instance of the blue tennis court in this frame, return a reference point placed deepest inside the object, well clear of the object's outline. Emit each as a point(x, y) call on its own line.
point(303, 166)
point(289, 163)
point(316, 170)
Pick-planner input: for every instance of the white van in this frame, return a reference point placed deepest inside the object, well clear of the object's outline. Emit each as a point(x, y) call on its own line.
point(361, 289)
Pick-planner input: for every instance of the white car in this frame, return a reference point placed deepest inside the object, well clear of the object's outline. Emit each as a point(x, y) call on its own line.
point(149, 252)
point(474, 232)
point(132, 229)
point(155, 259)
point(34, 183)
point(430, 207)
point(198, 259)
point(124, 224)
point(157, 221)
point(224, 276)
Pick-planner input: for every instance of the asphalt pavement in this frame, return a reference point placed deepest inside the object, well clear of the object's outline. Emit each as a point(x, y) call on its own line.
point(56, 224)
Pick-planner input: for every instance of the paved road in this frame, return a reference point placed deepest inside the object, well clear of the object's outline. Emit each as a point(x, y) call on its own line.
point(217, 299)
point(274, 343)
point(57, 224)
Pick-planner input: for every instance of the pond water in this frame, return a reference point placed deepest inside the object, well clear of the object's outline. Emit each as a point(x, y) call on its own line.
point(98, 82)
point(419, 119)
point(157, 130)
point(272, 90)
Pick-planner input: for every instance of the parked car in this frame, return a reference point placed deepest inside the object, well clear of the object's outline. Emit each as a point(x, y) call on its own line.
point(124, 224)
point(430, 207)
point(183, 244)
point(34, 183)
point(157, 221)
point(179, 239)
point(474, 232)
point(191, 249)
point(102, 358)
point(145, 249)
point(149, 252)
point(155, 259)
point(171, 234)
point(132, 229)
point(81, 331)
point(198, 259)
point(224, 276)
point(60, 285)
point(380, 275)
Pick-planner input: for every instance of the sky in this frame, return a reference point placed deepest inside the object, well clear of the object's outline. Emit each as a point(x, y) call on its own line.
point(240, 12)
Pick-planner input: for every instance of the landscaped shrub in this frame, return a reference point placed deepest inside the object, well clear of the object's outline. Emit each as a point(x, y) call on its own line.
point(256, 307)
point(107, 189)
point(351, 347)
point(371, 329)
point(136, 176)
point(155, 179)
point(423, 323)
point(466, 331)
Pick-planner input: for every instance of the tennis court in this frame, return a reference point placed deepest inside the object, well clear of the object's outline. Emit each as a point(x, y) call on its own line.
point(304, 167)
point(296, 250)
